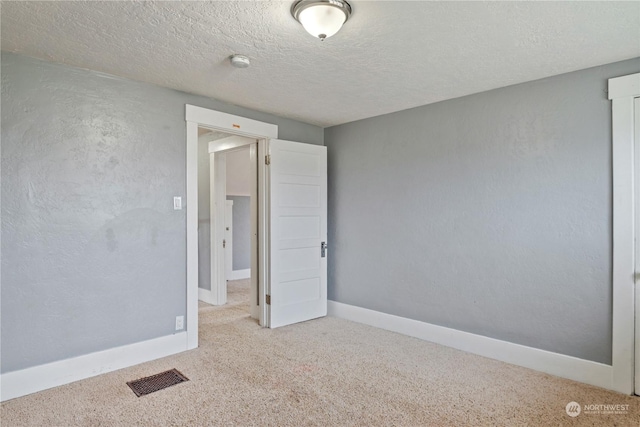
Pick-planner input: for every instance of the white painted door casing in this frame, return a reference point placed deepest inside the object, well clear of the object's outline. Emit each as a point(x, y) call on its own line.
point(625, 337)
point(298, 226)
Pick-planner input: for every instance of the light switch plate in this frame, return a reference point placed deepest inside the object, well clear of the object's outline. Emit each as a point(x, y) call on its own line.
point(177, 203)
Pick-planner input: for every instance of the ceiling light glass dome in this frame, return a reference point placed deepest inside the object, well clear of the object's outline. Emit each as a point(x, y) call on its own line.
point(321, 18)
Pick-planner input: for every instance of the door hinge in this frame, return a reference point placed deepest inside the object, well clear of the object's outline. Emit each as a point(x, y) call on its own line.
point(224, 243)
point(267, 159)
point(268, 299)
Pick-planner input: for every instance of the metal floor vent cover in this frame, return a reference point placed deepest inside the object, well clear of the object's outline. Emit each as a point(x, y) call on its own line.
point(156, 382)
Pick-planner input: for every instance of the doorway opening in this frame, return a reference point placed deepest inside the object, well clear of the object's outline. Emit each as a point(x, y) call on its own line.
point(227, 220)
point(289, 204)
point(197, 117)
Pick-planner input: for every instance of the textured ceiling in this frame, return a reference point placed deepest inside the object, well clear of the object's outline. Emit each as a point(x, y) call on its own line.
point(390, 56)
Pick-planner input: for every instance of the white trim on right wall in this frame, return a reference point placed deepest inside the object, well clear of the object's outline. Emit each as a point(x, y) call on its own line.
point(561, 365)
point(622, 91)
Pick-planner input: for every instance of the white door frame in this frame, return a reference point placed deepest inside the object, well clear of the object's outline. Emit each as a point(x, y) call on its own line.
point(622, 91)
point(235, 125)
point(218, 164)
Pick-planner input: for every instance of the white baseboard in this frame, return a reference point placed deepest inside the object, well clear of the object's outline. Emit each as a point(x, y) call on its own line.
point(561, 365)
point(240, 274)
point(26, 381)
point(205, 295)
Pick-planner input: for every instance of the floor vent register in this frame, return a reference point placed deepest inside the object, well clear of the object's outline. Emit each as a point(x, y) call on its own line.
point(156, 382)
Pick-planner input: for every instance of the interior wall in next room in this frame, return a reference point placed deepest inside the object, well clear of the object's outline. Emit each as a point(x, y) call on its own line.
point(238, 190)
point(204, 214)
point(241, 232)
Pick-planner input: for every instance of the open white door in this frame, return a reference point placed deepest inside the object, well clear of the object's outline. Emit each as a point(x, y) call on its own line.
point(297, 176)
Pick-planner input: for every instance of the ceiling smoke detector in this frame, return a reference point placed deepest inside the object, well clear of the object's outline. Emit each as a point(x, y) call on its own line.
point(321, 18)
point(240, 61)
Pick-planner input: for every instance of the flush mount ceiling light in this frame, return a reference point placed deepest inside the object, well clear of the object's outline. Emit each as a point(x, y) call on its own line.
point(321, 18)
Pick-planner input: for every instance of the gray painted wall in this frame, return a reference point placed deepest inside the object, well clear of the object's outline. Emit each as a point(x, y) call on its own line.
point(489, 214)
point(93, 255)
point(241, 232)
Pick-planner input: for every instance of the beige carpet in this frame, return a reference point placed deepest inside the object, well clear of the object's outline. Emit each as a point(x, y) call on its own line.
point(326, 372)
point(237, 293)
